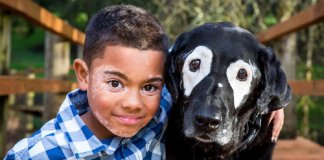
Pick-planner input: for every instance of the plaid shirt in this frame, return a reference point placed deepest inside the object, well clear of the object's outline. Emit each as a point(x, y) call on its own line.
point(68, 137)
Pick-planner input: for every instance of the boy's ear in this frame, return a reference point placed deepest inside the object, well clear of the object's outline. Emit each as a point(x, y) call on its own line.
point(82, 73)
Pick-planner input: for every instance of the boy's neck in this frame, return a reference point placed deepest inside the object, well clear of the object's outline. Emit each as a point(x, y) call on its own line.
point(95, 126)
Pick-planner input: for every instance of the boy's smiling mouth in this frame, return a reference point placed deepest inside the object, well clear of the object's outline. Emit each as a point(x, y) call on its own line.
point(129, 119)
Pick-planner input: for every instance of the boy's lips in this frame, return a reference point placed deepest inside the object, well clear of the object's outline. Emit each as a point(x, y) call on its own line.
point(129, 120)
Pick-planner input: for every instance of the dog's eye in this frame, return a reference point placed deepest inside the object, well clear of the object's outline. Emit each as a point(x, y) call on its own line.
point(241, 75)
point(194, 65)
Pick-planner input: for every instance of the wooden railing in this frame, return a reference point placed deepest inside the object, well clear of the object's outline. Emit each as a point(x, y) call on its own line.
point(11, 85)
point(311, 88)
point(16, 85)
point(303, 19)
point(312, 15)
point(43, 18)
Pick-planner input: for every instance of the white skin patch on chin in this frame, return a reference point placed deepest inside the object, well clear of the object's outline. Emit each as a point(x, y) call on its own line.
point(240, 87)
point(190, 78)
point(108, 126)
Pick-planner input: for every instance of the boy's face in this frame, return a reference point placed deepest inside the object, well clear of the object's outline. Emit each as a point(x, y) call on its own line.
point(124, 88)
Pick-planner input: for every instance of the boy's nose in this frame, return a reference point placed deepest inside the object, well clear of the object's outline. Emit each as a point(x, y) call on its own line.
point(133, 100)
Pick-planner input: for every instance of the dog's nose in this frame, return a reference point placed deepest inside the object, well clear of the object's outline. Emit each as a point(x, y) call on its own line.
point(208, 122)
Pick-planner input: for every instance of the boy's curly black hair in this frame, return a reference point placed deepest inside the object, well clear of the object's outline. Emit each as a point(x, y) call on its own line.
point(124, 25)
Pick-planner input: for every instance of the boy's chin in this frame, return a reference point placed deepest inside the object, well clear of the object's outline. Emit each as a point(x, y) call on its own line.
point(125, 132)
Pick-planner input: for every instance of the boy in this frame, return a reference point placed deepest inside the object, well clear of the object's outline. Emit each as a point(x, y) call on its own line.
point(115, 114)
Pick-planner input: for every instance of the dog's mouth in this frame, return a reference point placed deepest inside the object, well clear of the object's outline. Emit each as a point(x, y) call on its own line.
point(223, 135)
point(204, 138)
point(212, 145)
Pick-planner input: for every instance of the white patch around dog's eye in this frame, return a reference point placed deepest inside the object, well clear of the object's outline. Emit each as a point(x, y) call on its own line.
point(239, 75)
point(196, 67)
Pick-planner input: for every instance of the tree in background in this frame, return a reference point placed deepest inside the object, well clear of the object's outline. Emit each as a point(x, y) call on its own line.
point(79, 12)
point(183, 15)
point(286, 51)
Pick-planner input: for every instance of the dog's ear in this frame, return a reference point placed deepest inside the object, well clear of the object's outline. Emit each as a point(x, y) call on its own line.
point(276, 93)
point(173, 67)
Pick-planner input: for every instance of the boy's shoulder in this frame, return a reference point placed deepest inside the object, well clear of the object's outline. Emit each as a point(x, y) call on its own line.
point(47, 142)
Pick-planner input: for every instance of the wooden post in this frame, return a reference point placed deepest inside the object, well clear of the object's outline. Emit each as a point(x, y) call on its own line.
point(5, 49)
point(287, 57)
point(57, 66)
point(80, 51)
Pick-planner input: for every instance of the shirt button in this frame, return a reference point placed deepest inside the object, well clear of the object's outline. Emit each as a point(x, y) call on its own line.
point(104, 153)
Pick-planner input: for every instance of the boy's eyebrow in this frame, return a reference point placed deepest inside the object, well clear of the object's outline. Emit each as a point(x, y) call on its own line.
point(117, 74)
point(154, 79)
point(123, 76)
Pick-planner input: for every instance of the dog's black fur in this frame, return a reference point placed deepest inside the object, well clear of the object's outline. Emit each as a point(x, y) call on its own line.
point(197, 120)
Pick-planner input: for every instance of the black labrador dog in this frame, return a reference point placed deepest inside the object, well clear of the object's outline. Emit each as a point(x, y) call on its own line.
point(224, 84)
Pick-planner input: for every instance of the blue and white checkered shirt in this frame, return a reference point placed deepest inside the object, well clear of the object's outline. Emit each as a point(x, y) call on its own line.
point(68, 137)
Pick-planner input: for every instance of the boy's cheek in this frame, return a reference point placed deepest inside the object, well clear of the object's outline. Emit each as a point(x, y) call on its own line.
point(97, 89)
point(153, 104)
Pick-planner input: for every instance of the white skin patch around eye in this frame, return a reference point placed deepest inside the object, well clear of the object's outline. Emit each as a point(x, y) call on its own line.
point(190, 78)
point(240, 88)
point(98, 77)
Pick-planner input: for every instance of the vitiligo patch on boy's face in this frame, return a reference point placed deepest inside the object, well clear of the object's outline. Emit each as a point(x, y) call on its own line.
point(111, 128)
point(124, 107)
point(99, 79)
point(103, 74)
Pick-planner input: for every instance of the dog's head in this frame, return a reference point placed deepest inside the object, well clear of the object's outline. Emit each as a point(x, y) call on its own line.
point(220, 74)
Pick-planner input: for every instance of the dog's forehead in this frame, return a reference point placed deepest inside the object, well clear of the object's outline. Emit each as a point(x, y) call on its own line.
point(222, 37)
point(220, 30)
point(235, 29)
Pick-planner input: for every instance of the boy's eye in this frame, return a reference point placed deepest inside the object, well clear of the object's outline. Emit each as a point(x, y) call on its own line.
point(149, 88)
point(115, 84)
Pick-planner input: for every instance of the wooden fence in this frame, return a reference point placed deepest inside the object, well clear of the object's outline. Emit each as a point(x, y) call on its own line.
point(42, 17)
point(17, 84)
